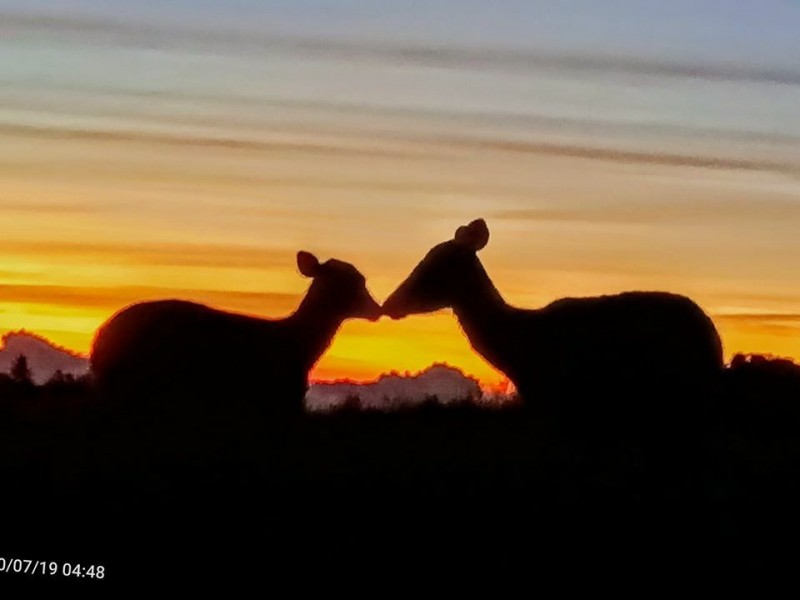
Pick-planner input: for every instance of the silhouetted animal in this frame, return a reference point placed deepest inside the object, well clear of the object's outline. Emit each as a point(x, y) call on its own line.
point(183, 352)
point(632, 343)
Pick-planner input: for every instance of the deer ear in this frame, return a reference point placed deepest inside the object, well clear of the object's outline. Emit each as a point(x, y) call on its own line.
point(474, 236)
point(307, 263)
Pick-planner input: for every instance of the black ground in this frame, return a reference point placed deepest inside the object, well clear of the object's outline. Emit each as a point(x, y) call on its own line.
point(457, 490)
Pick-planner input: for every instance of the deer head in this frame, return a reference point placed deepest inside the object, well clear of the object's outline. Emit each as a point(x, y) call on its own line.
point(448, 272)
point(338, 287)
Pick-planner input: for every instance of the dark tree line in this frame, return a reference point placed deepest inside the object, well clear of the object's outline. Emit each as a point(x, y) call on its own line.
point(459, 486)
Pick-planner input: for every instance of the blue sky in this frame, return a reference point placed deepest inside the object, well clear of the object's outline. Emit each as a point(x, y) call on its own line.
point(763, 32)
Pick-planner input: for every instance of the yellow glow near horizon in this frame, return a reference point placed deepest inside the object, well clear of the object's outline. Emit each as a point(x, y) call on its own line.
point(363, 350)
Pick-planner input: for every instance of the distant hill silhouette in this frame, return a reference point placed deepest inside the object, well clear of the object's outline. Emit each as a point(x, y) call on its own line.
point(44, 357)
point(393, 390)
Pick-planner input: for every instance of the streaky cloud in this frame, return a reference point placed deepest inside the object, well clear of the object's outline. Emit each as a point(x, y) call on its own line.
point(426, 147)
point(602, 126)
point(191, 141)
point(100, 30)
point(111, 298)
point(676, 211)
point(624, 156)
point(155, 253)
point(761, 317)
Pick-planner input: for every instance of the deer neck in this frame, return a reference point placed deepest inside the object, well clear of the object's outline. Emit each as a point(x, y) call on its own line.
point(312, 328)
point(482, 313)
point(489, 322)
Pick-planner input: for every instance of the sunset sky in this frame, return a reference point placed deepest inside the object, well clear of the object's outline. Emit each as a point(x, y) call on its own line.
point(188, 148)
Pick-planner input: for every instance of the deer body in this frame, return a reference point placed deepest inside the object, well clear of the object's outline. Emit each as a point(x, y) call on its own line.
point(617, 343)
point(581, 342)
point(184, 352)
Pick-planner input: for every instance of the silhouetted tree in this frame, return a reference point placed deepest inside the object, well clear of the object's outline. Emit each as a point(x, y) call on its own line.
point(20, 371)
point(64, 382)
point(352, 403)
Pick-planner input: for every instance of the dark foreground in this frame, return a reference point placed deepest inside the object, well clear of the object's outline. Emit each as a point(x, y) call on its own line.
point(460, 492)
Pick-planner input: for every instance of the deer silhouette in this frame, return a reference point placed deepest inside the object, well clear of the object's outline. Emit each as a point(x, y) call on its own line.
point(192, 357)
point(630, 344)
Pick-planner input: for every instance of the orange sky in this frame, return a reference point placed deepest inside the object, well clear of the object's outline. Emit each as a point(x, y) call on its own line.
point(77, 247)
point(132, 172)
